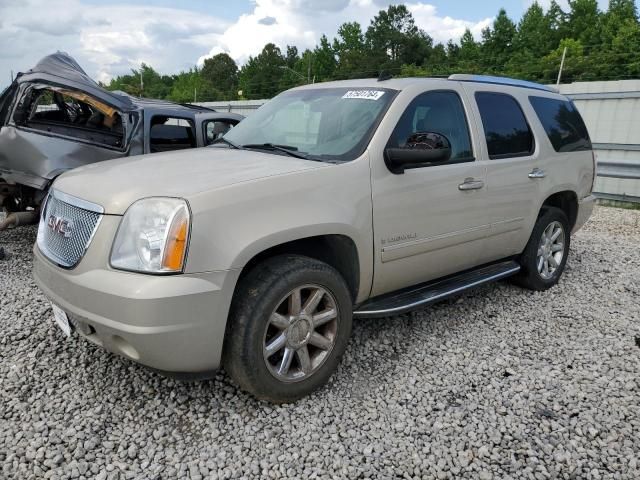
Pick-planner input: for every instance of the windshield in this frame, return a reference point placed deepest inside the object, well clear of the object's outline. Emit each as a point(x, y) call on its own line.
point(325, 123)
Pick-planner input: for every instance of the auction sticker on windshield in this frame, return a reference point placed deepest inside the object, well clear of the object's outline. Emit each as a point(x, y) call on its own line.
point(61, 319)
point(364, 94)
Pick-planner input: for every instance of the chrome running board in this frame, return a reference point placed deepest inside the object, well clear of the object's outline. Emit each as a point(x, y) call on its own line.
point(418, 296)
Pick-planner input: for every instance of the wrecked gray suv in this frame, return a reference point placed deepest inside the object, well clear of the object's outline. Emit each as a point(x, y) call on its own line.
point(54, 118)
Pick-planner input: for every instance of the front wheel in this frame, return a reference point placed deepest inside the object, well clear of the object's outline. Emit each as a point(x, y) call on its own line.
point(545, 255)
point(290, 323)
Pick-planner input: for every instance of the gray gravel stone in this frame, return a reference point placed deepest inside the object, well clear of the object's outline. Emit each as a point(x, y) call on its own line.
point(498, 383)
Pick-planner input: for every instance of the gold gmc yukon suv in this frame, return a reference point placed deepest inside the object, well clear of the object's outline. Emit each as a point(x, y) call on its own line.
point(333, 201)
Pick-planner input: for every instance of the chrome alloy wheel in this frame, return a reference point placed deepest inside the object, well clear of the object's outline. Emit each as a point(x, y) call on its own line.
point(550, 250)
point(301, 333)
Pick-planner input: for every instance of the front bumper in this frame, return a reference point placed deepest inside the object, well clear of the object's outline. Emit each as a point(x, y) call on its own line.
point(585, 208)
point(172, 323)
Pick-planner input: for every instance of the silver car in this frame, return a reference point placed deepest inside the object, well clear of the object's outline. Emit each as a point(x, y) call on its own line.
point(348, 199)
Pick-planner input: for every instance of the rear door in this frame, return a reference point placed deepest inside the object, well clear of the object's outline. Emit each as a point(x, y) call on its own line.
point(569, 163)
point(511, 155)
point(427, 223)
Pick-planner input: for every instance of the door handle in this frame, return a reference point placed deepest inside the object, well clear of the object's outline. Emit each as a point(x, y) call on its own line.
point(471, 184)
point(537, 173)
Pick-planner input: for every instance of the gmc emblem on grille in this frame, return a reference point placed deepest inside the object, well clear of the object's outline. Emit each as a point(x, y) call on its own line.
point(60, 225)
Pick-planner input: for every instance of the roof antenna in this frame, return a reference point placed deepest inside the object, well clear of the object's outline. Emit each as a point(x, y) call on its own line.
point(384, 75)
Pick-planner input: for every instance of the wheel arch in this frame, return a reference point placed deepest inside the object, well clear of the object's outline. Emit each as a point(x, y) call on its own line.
point(565, 200)
point(337, 250)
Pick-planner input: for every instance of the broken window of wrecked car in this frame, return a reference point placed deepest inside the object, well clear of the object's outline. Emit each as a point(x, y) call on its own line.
point(72, 114)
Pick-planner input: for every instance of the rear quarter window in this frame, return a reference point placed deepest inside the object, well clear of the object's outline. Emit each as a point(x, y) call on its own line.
point(562, 122)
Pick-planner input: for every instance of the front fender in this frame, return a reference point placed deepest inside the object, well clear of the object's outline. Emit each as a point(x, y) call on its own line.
point(233, 224)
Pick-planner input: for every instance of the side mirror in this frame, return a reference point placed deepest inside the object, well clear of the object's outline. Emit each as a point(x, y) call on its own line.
point(421, 150)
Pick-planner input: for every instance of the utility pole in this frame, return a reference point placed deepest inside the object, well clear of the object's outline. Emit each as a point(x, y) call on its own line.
point(309, 70)
point(195, 95)
point(11, 76)
point(141, 82)
point(564, 54)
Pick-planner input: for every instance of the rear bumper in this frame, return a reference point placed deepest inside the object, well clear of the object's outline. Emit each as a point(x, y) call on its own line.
point(585, 208)
point(169, 323)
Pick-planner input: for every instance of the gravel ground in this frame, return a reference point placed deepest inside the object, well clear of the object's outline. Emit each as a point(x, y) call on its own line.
point(498, 383)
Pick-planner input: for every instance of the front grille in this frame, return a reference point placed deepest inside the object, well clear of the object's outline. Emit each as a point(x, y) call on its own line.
point(67, 225)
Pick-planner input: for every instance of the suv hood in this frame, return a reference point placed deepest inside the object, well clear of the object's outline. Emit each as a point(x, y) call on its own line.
point(116, 184)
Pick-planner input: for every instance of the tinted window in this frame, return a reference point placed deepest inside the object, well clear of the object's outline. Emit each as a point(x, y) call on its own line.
point(505, 126)
point(563, 124)
point(439, 112)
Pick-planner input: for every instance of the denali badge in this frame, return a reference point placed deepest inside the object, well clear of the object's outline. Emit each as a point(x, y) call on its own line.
point(60, 225)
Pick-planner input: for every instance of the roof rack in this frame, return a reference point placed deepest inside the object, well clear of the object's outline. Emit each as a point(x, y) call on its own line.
point(463, 77)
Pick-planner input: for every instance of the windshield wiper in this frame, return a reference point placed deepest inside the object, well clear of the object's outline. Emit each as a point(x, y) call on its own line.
point(289, 150)
point(228, 142)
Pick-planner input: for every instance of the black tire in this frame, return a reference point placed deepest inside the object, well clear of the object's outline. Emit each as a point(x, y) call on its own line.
point(529, 277)
point(261, 292)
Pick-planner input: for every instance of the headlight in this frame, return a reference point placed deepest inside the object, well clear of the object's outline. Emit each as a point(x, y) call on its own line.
point(153, 236)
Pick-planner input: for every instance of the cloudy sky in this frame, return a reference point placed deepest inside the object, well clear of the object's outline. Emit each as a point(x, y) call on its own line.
point(109, 37)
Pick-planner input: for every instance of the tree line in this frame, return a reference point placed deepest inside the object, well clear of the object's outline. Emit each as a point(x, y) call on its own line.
point(600, 45)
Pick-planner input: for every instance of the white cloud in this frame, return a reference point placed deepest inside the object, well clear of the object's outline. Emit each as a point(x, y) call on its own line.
point(106, 40)
point(444, 28)
point(111, 39)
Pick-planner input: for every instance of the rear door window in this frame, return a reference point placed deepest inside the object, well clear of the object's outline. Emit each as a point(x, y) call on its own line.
point(505, 126)
point(562, 122)
point(171, 133)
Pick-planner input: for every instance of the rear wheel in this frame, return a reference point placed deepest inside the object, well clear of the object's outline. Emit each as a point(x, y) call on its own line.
point(290, 323)
point(545, 255)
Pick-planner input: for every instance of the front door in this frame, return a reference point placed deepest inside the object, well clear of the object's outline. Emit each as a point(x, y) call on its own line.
point(429, 221)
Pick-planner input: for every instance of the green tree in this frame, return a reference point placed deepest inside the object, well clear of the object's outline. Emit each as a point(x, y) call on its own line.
point(584, 22)
point(453, 53)
point(497, 45)
point(260, 77)
point(437, 62)
point(221, 72)
point(304, 65)
point(623, 59)
point(145, 82)
point(394, 39)
point(470, 55)
point(575, 64)
point(193, 86)
point(557, 20)
point(534, 33)
point(620, 14)
point(324, 60)
point(351, 51)
point(533, 40)
point(292, 57)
